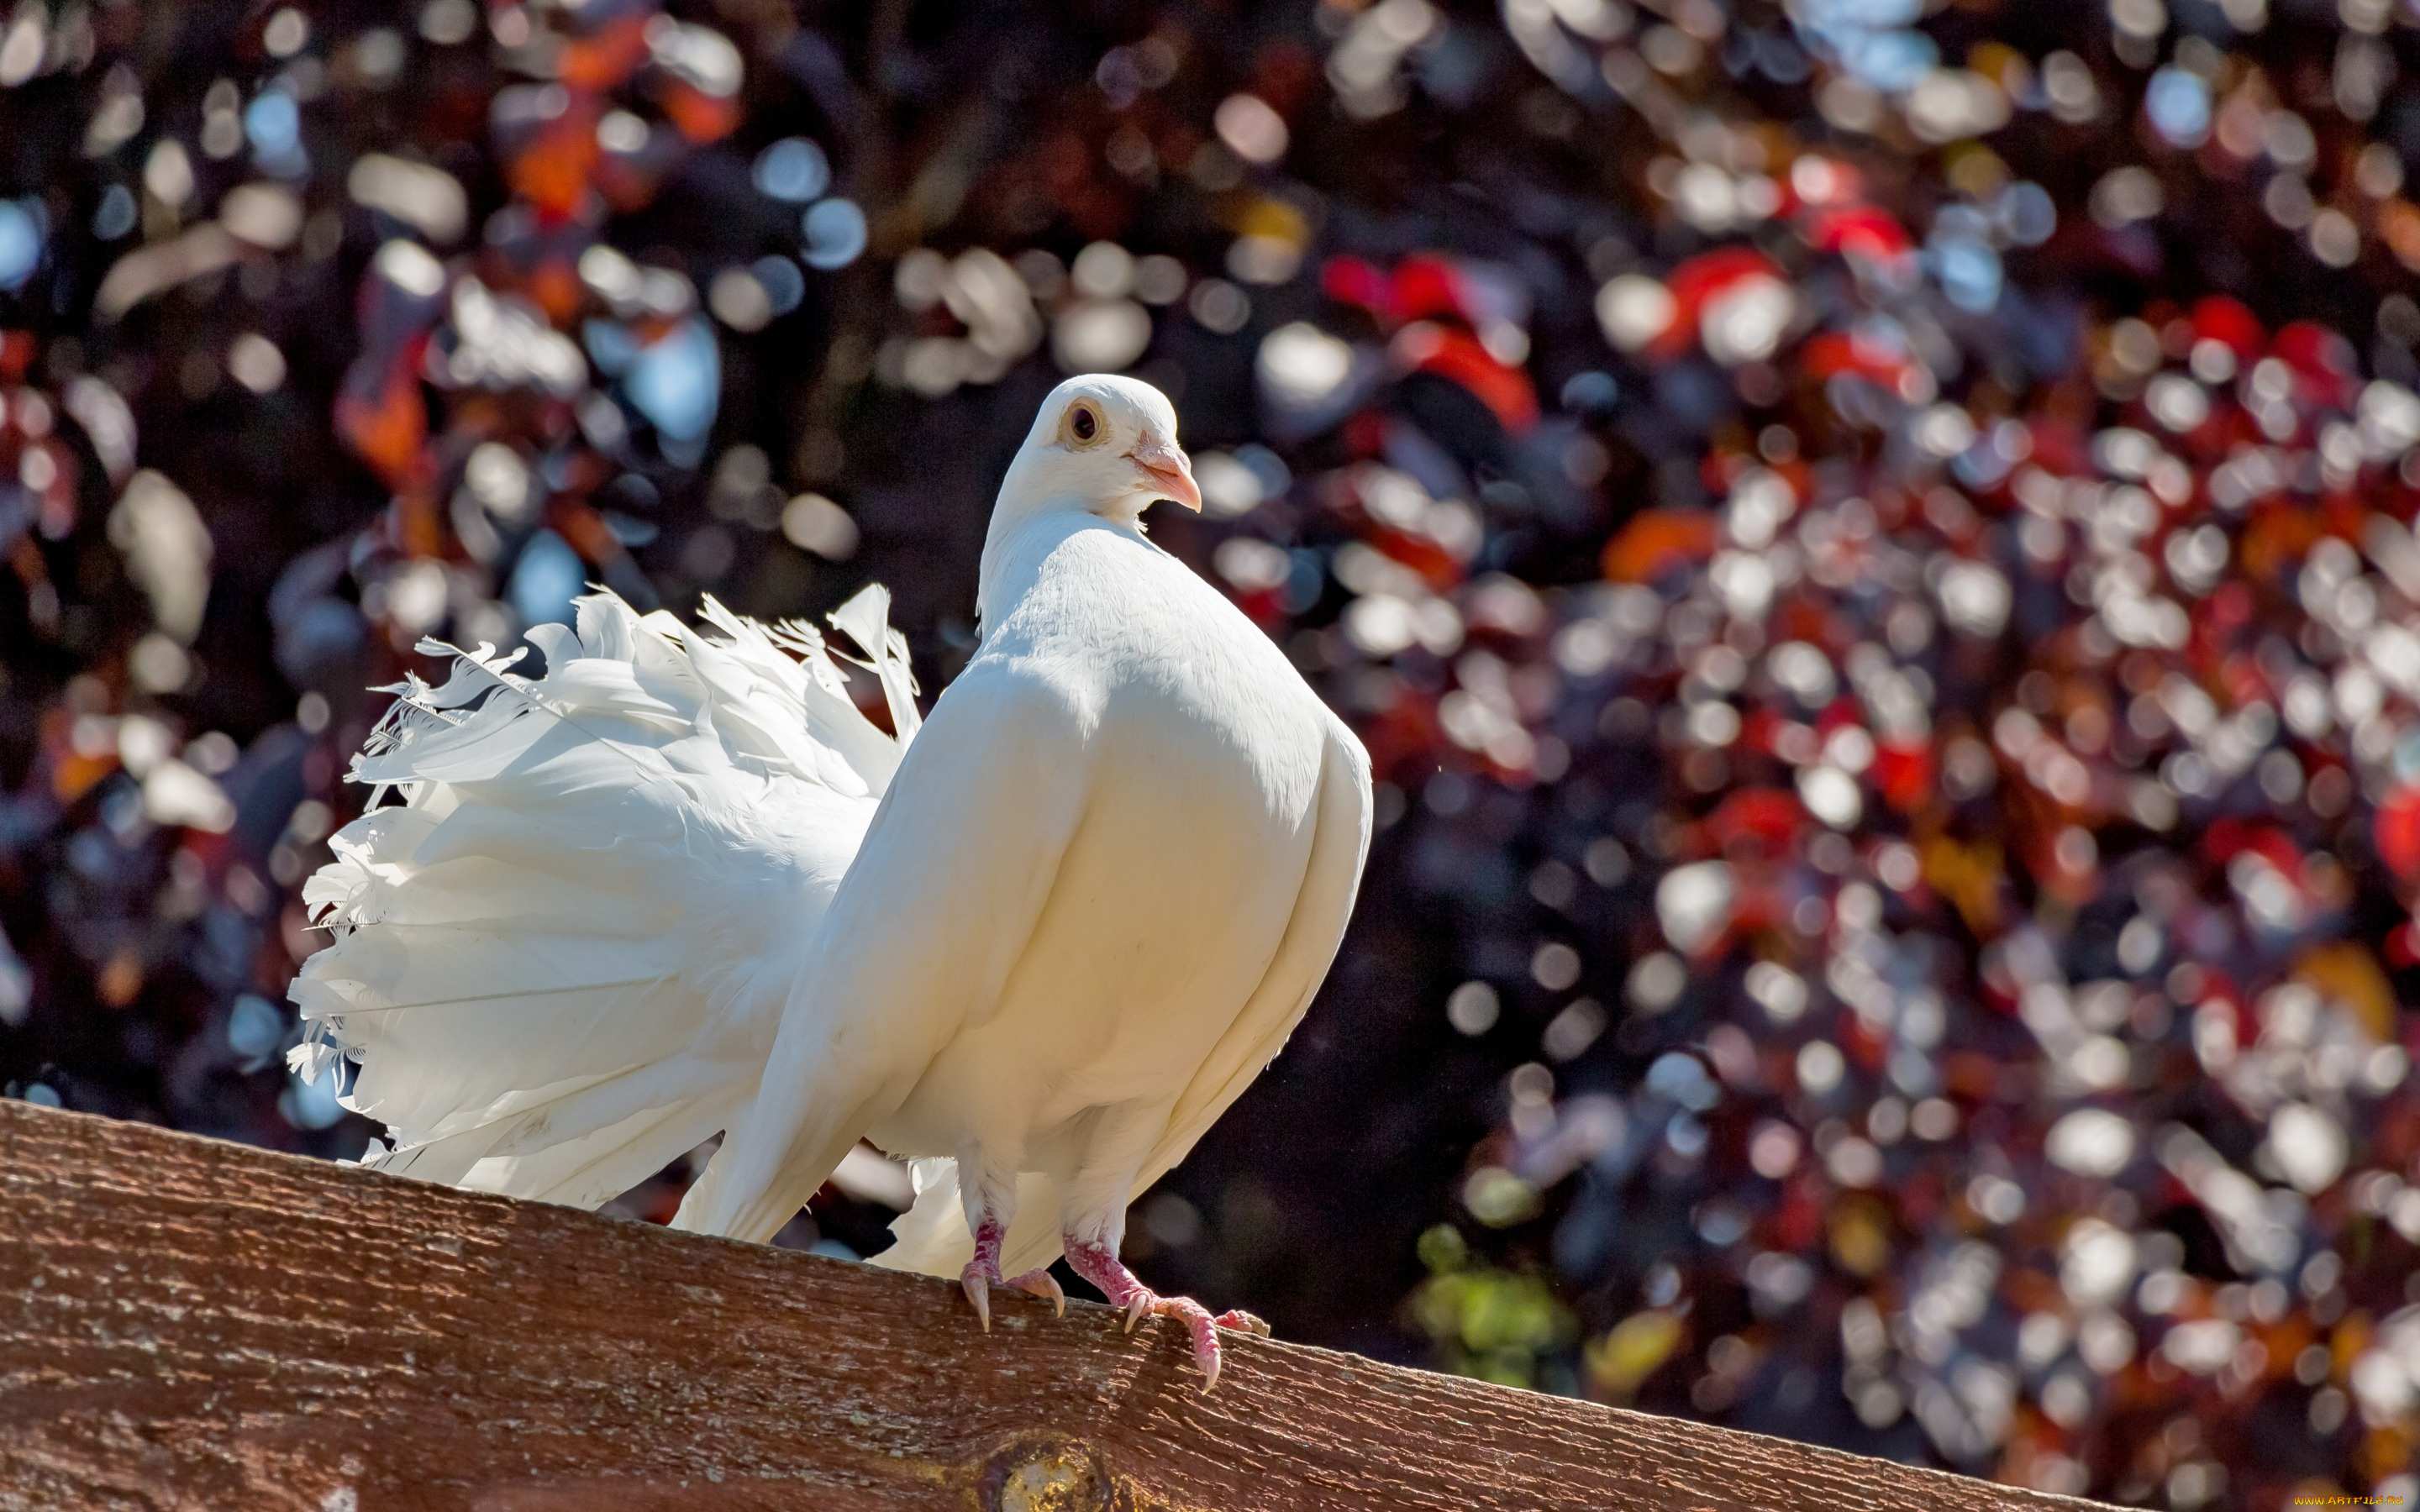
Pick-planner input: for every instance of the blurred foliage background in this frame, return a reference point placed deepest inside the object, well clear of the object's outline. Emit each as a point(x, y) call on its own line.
point(1871, 543)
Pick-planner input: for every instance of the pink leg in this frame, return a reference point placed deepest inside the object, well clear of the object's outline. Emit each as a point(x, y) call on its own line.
point(983, 1273)
point(1100, 1265)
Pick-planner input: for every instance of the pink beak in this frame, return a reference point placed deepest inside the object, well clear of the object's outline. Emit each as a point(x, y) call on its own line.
point(1170, 470)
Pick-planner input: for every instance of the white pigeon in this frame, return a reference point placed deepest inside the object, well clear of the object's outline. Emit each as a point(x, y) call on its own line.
point(679, 886)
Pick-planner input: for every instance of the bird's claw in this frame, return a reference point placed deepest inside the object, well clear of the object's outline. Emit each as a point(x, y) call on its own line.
point(977, 1279)
point(1039, 1281)
point(978, 1289)
point(1197, 1322)
point(1098, 1263)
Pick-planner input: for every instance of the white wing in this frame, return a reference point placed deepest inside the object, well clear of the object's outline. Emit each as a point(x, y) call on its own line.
point(560, 959)
point(922, 936)
point(932, 1236)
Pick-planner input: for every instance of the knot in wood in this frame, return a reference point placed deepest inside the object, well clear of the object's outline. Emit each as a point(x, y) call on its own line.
point(1045, 1476)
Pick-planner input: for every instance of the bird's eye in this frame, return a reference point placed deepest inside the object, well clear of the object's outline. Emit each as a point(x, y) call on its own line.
point(1084, 424)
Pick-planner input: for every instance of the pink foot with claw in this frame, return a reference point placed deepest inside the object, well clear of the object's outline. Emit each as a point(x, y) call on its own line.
point(1100, 1265)
point(983, 1273)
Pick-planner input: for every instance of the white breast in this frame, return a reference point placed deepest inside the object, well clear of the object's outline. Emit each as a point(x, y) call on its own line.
point(1183, 873)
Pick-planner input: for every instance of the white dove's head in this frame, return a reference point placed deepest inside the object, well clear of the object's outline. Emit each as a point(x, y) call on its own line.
point(1104, 444)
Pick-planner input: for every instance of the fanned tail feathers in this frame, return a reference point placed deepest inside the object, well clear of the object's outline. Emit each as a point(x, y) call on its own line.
point(563, 932)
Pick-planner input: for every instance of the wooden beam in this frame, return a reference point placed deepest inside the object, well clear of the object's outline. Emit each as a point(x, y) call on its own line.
point(188, 1323)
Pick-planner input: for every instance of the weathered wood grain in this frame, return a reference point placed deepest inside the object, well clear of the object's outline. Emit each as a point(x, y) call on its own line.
point(191, 1324)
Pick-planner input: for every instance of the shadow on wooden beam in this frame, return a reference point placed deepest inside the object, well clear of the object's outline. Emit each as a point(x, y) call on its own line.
point(185, 1323)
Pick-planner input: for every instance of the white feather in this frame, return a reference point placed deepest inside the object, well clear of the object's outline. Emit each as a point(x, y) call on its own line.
point(559, 958)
